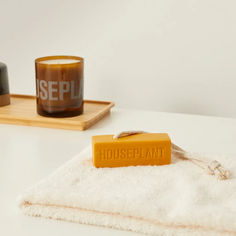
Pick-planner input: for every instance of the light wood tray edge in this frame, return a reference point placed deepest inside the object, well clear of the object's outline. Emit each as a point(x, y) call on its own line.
point(33, 97)
point(73, 125)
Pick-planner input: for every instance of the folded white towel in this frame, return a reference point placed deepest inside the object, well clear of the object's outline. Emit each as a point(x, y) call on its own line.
point(175, 199)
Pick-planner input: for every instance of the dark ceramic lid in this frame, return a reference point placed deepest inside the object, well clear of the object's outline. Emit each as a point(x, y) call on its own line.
point(4, 87)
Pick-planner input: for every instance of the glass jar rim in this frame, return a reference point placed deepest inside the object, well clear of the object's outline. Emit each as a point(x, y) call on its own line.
point(78, 60)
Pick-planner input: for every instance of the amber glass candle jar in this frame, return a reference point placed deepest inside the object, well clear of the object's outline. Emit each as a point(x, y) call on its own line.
point(59, 86)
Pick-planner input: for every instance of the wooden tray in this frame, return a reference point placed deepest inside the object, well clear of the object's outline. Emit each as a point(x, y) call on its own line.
point(22, 111)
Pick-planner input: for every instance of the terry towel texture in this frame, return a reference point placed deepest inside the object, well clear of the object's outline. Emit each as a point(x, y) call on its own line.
point(176, 199)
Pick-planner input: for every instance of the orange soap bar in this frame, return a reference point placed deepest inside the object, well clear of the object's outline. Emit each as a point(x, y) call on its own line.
point(138, 149)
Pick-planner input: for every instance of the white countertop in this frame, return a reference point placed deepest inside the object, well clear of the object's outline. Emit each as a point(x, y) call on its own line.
point(28, 154)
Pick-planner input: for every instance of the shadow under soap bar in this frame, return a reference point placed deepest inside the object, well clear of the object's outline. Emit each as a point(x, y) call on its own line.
point(138, 149)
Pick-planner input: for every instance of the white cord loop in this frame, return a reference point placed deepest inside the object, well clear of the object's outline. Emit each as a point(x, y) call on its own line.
point(210, 167)
point(128, 133)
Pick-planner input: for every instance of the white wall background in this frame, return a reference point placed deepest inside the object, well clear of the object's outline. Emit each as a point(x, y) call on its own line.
point(165, 55)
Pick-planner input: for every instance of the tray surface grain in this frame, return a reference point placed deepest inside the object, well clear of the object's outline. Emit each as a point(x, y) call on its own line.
point(22, 111)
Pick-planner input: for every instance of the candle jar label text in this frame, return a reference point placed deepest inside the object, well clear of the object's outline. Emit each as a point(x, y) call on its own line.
point(57, 90)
